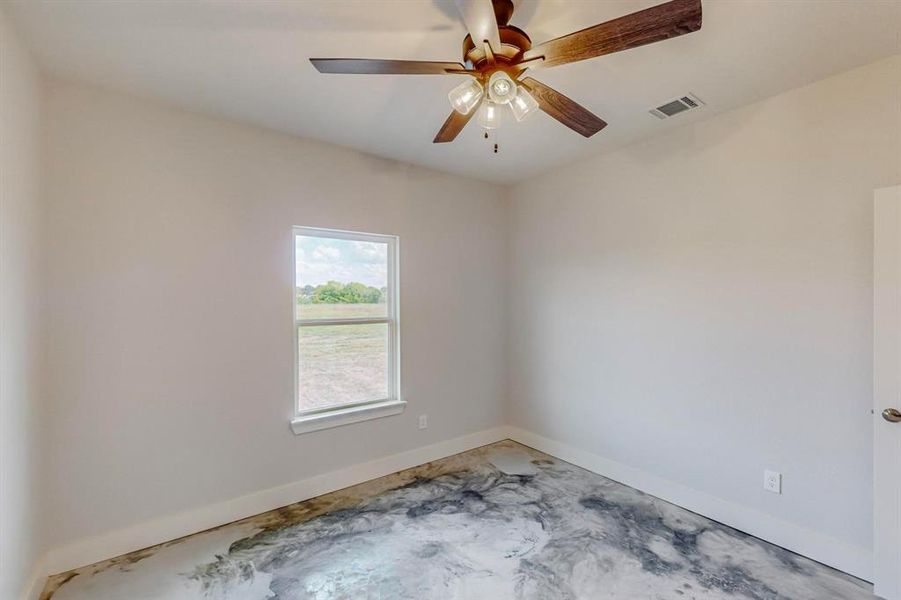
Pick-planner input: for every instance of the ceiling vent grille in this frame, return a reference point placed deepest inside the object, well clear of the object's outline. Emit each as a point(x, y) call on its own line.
point(674, 107)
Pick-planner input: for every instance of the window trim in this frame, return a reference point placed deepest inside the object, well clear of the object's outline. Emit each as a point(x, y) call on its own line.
point(305, 421)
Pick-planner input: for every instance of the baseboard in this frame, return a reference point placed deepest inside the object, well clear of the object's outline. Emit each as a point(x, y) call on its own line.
point(143, 535)
point(820, 547)
point(35, 584)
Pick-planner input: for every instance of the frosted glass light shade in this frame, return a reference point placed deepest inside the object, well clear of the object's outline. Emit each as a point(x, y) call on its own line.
point(501, 89)
point(465, 96)
point(489, 115)
point(524, 104)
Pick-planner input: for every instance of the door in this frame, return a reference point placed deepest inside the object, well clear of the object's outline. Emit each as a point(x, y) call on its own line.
point(887, 394)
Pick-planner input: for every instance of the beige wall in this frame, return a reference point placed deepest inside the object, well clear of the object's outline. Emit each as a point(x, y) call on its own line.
point(170, 367)
point(699, 306)
point(20, 337)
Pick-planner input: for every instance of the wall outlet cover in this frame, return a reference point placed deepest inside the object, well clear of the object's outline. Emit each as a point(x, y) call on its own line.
point(772, 481)
point(423, 421)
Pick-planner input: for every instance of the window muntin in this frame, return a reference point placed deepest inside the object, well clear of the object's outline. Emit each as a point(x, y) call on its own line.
point(345, 319)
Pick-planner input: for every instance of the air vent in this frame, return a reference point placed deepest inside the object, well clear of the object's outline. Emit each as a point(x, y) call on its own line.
point(674, 107)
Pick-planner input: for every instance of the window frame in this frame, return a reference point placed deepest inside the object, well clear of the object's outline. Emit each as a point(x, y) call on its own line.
point(315, 419)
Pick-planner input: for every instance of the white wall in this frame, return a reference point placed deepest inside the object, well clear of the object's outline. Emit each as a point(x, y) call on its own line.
point(169, 258)
point(699, 306)
point(20, 338)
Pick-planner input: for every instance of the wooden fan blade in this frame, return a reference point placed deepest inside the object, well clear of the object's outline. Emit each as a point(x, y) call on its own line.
point(654, 24)
point(453, 126)
point(363, 66)
point(571, 114)
point(480, 21)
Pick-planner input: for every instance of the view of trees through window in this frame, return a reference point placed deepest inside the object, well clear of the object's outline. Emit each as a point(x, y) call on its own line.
point(341, 363)
point(335, 292)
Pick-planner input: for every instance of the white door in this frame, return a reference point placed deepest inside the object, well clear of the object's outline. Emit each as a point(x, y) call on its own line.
point(887, 394)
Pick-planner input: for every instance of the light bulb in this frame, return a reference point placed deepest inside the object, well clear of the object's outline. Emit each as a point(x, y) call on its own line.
point(465, 96)
point(489, 115)
point(524, 104)
point(501, 89)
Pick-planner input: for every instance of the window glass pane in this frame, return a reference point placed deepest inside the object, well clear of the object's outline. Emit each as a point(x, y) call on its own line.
point(342, 364)
point(338, 278)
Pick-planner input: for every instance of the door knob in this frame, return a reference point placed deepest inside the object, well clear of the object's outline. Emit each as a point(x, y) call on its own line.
point(892, 415)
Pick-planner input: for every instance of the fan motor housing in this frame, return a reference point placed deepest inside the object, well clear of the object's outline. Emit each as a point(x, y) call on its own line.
point(514, 41)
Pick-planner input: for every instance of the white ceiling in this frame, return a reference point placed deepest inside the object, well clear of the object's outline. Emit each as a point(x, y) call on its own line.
point(248, 61)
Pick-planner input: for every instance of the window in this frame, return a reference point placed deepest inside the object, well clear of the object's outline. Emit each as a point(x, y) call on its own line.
point(346, 330)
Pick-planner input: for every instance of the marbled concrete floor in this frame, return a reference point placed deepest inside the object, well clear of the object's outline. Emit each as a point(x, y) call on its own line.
point(502, 521)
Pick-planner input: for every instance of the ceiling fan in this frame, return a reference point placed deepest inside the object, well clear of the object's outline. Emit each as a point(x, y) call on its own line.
point(496, 55)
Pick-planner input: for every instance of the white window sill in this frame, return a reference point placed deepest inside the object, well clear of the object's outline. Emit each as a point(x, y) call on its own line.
point(346, 416)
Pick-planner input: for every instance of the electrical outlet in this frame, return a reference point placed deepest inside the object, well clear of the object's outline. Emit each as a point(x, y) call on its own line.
point(772, 482)
point(423, 421)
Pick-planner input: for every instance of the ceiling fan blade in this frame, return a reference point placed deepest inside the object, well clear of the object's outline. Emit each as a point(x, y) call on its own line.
point(453, 126)
point(571, 114)
point(654, 24)
point(480, 21)
point(362, 66)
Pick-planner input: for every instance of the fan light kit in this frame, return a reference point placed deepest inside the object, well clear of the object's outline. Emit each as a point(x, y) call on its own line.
point(465, 96)
point(489, 115)
point(523, 104)
point(501, 90)
point(496, 55)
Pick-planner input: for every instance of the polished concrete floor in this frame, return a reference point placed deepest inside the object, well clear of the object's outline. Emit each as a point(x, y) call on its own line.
point(502, 521)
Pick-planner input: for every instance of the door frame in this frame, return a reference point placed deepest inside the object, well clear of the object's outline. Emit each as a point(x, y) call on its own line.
point(887, 392)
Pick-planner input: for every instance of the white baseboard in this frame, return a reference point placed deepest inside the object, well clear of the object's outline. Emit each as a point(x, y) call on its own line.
point(851, 559)
point(820, 547)
point(136, 537)
point(35, 584)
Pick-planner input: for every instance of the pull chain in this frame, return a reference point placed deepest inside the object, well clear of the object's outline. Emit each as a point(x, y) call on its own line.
point(493, 134)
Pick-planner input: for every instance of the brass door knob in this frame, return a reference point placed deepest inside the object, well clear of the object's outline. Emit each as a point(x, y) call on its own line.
point(892, 415)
